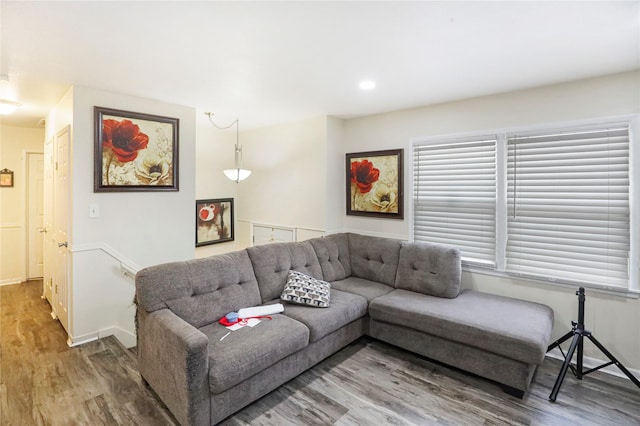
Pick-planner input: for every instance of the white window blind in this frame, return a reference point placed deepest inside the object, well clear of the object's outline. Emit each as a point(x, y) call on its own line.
point(568, 206)
point(455, 196)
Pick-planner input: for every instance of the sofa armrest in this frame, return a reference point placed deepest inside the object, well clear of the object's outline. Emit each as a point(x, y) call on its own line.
point(172, 358)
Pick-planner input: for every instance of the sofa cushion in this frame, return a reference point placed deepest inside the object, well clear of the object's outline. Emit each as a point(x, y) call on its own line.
point(272, 263)
point(344, 308)
point(333, 255)
point(374, 258)
point(305, 290)
point(365, 288)
point(431, 269)
point(510, 327)
point(200, 291)
point(249, 350)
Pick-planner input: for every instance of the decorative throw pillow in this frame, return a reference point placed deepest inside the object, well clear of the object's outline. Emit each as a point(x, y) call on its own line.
point(306, 290)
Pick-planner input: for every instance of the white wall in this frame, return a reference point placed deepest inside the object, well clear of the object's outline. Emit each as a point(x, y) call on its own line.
point(613, 320)
point(288, 185)
point(15, 142)
point(336, 166)
point(141, 228)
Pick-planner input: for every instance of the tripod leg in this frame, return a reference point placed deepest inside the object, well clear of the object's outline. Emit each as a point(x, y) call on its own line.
point(565, 366)
point(614, 360)
point(560, 341)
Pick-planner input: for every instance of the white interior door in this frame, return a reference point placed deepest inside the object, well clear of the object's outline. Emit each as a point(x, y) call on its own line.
point(35, 215)
point(49, 258)
point(61, 227)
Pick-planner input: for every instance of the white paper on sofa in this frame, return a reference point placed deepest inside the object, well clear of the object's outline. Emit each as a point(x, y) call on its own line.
point(257, 311)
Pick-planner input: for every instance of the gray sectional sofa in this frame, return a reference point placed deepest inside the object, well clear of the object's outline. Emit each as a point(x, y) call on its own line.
point(406, 294)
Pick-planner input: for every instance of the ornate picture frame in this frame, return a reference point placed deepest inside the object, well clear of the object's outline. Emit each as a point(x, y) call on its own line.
point(374, 184)
point(214, 221)
point(134, 151)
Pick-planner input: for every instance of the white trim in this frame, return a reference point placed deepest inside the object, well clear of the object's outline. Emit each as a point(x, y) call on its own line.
point(81, 340)
point(10, 225)
point(309, 229)
point(127, 339)
point(11, 281)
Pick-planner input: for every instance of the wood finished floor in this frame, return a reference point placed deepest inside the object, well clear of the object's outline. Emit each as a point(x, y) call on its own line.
point(44, 382)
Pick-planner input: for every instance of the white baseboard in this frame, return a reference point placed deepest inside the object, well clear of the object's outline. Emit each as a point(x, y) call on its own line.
point(81, 340)
point(589, 363)
point(127, 339)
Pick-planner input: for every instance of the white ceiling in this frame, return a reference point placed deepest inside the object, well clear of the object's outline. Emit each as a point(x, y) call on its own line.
point(272, 62)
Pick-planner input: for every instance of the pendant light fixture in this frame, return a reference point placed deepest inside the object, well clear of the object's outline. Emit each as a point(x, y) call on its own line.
point(7, 106)
point(237, 173)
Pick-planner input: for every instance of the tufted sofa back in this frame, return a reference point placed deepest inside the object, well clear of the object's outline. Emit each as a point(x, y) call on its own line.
point(431, 269)
point(272, 263)
point(333, 255)
point(200, 291)
point(374, 258)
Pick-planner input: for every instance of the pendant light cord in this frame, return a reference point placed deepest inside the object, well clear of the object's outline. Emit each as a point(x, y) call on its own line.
point(236, 122)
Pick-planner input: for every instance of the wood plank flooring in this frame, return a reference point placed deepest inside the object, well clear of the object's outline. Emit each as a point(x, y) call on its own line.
point(44, 382)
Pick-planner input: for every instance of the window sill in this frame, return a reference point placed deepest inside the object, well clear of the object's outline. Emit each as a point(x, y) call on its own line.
point(613, 291)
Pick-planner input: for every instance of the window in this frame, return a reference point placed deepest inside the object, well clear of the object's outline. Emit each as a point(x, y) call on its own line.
point(454, 194)
point(549, 205)
point(568, 205)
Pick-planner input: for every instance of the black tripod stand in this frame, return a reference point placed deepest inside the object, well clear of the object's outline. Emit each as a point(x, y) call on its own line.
point(578, 333)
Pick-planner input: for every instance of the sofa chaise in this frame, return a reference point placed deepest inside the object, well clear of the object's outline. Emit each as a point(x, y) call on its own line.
point(404, 293)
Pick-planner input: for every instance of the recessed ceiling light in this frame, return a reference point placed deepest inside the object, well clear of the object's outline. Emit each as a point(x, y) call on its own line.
point(367, 84)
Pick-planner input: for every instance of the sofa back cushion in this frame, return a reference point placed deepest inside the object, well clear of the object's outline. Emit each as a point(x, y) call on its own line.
point(374, 258)
point(272, 263)
point(200, 291)
point(431, 269)
point(333, 255)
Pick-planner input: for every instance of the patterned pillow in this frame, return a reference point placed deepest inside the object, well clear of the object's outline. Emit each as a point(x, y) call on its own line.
point(306, 290)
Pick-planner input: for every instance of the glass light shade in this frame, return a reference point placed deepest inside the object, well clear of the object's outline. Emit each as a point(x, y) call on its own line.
point(237, 174)
point(7, 107)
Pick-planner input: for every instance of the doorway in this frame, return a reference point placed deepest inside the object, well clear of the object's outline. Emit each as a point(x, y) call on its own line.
point(57, 244)
point(35, 215)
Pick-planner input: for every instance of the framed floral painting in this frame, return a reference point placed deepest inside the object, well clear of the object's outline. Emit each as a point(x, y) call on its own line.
point(374, 184)
point(134, 151)
point(214, 221)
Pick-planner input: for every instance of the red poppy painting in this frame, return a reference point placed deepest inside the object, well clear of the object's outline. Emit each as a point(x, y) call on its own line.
point(374, 184)
point(135, 152)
